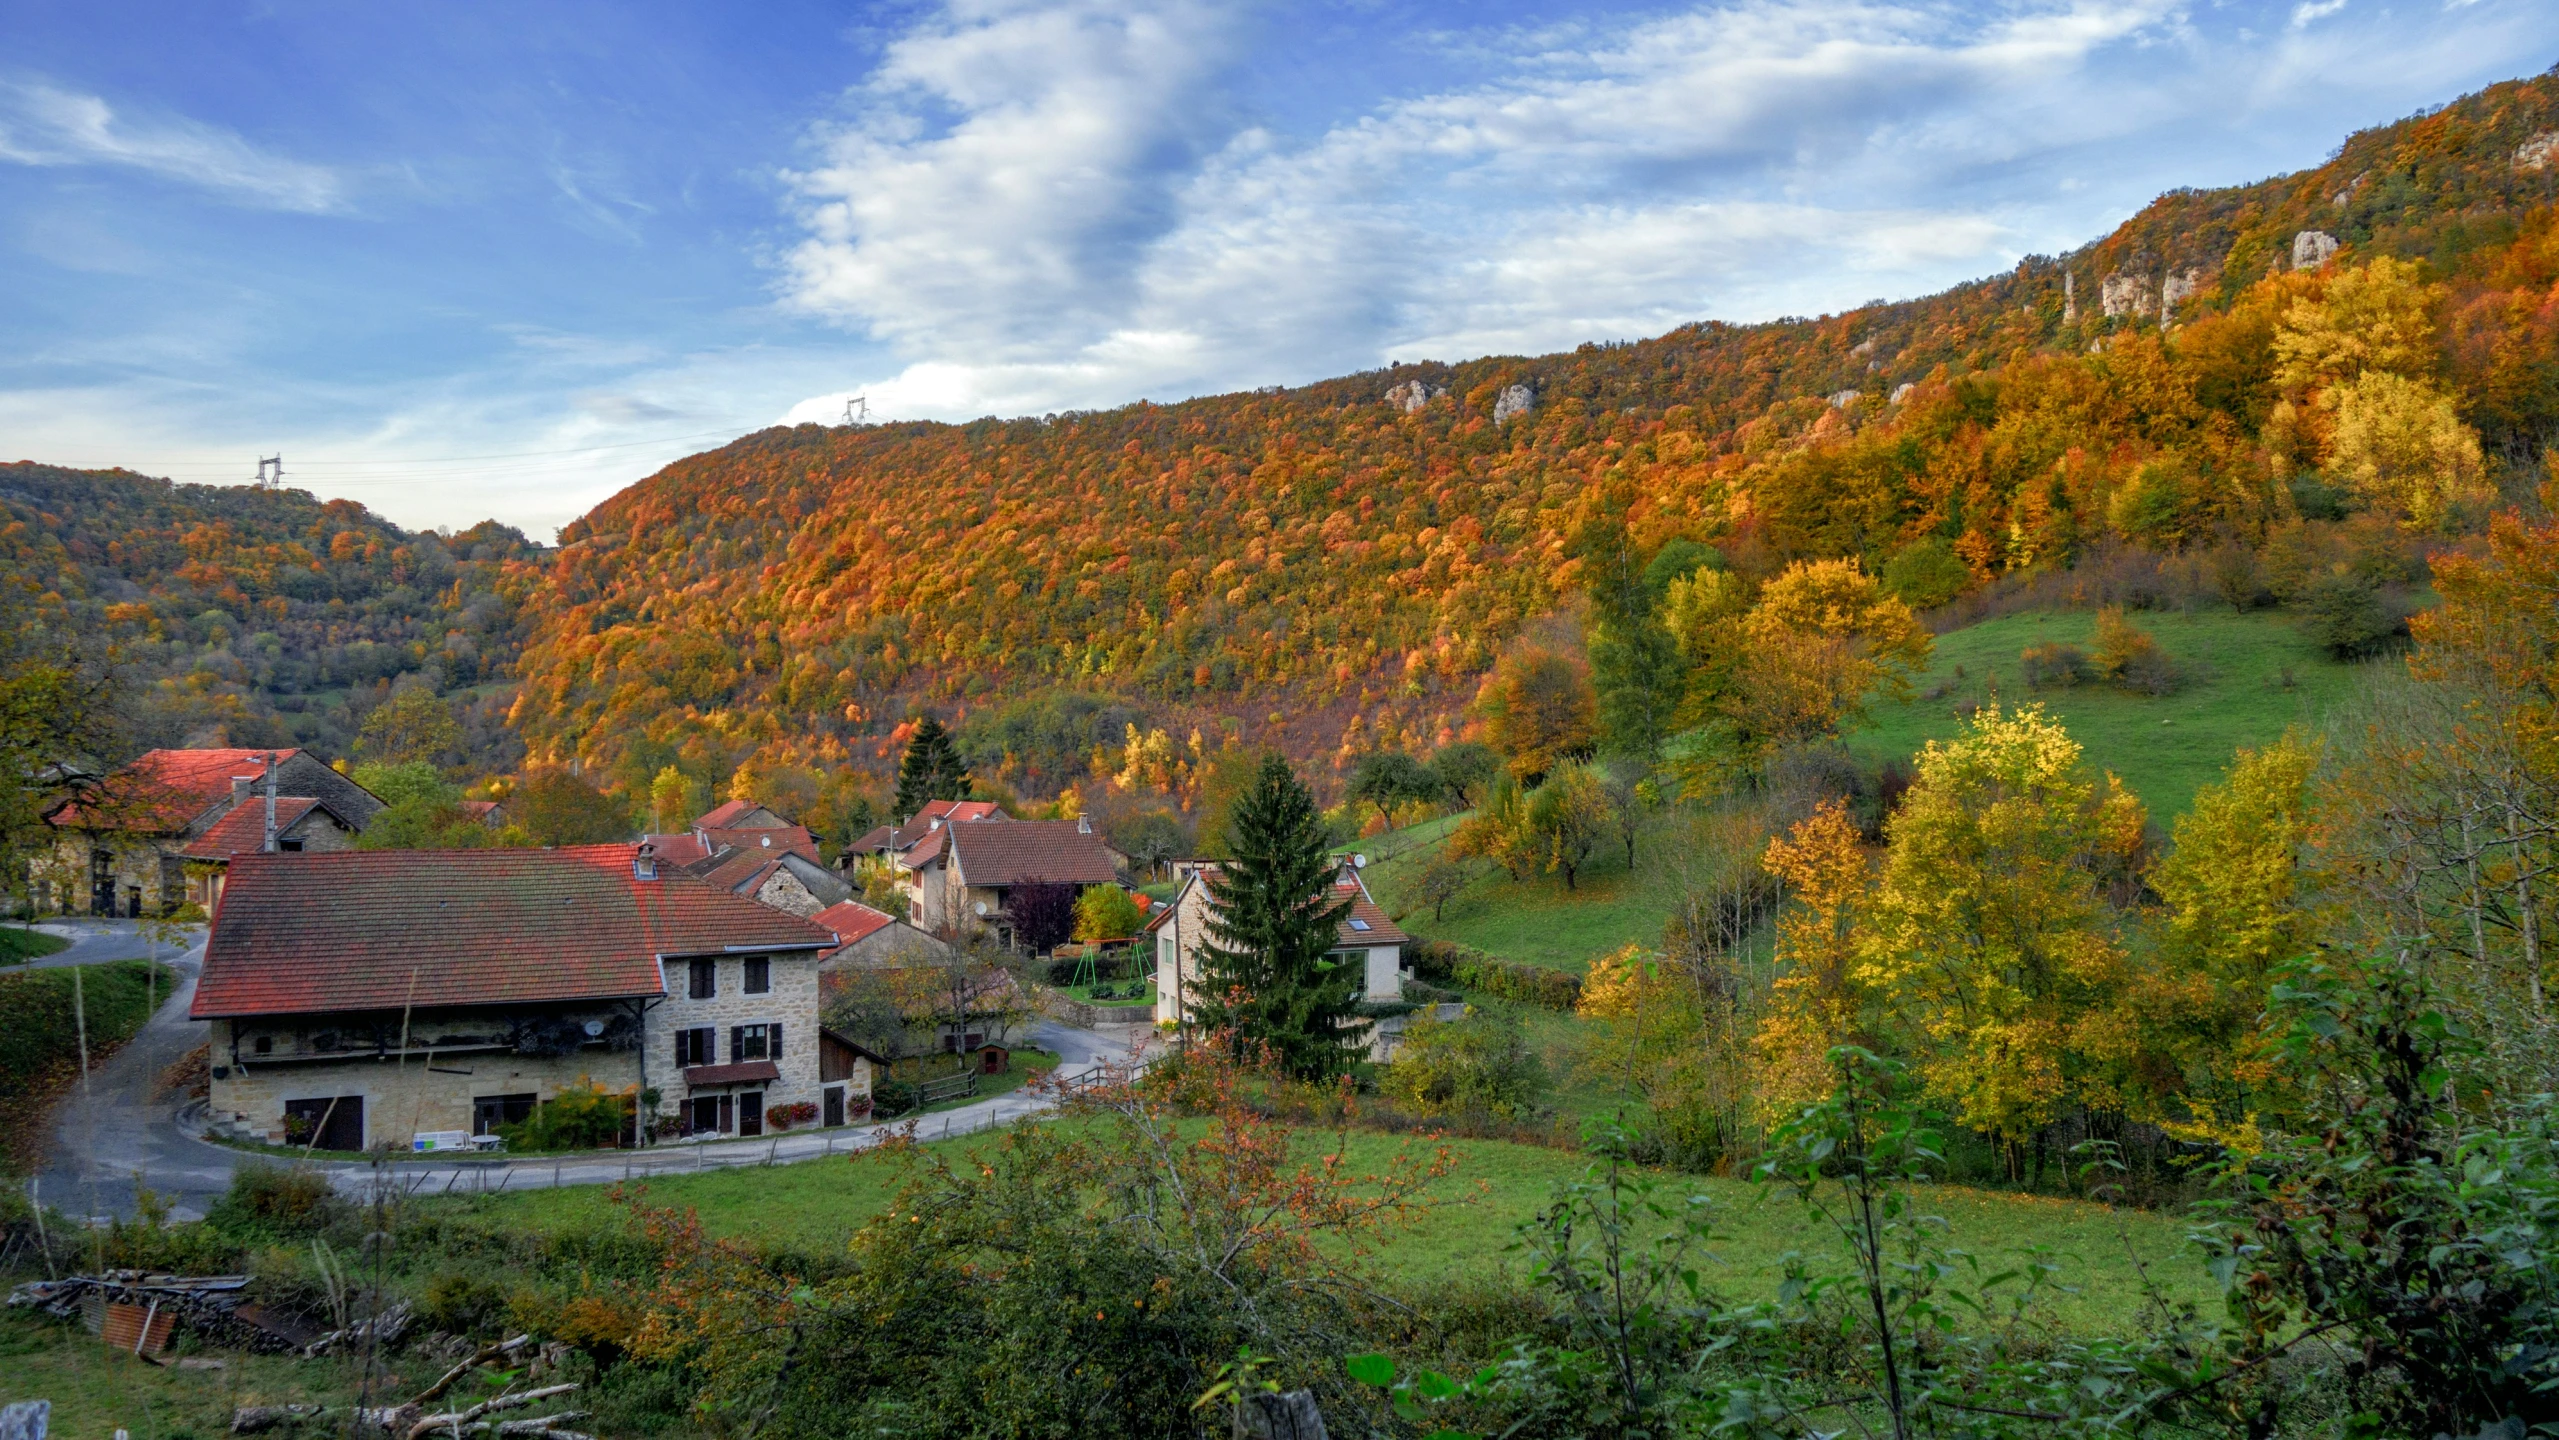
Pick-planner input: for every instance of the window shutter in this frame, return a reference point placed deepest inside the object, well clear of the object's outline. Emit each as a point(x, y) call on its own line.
point(737, 1043)
point(773, 1042)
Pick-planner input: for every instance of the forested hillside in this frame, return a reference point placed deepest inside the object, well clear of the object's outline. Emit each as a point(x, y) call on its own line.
point(1335, 566)
point(267, 617)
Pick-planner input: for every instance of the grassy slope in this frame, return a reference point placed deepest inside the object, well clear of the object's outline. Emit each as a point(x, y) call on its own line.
point(97, 1392)
point(2164, 747)
point(1536, 919)
point(1494, 1187)
point(18, 943)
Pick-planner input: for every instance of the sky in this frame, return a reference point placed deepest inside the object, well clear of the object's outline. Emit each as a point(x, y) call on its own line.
point(463, 260)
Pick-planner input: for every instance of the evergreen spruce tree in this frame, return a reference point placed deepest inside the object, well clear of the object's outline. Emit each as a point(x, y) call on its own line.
point(931, 770)
point(1264, 978)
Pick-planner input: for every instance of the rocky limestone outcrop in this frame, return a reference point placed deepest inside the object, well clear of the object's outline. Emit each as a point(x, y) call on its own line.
point(2123, 294)
point(2311, 249)
point(1412, 395)
point(2538, 153)
point(1902, 391)
point(1843, 398)
point(2176, 287)
point(1514, 400)
point(2069, 298)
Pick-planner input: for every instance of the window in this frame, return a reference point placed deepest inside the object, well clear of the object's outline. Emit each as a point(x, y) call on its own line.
point(1358, 924)
point(291, 845)
point(696, 1047)
point(706, 979)
point(705, 1114)
point(265, 1045)
point(748, 1042)
point(759, 975)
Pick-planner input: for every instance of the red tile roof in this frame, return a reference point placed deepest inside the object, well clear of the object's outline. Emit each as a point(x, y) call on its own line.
point(164, 789)
point(741, 1073)
point(1364, 912)
point(769, 842)
point(726, 815)
point(681, 848)
point(852, 920)
point(377, 930)
point(1031, 850)
point(245, 827)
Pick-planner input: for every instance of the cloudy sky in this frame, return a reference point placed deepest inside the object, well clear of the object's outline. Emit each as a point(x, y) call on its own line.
point(459, 260)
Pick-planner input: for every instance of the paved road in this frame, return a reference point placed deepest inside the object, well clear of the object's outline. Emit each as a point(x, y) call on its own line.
point(96, 940)
point(119, 1127)
point(120, 1133)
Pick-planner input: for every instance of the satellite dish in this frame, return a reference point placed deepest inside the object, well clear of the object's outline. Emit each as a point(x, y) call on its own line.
point(594, 1028)
point(1359, 862)
point(981, 909)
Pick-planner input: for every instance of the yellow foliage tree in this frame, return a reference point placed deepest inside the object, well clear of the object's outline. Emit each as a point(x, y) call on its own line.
point(1985, 937)
point(2399, 444)
point(1538, 709)
point(2236, 908)
point(1815, 1004)
point(2378, 316)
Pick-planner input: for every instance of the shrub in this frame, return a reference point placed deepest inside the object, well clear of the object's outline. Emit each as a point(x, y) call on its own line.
point(891, 1098)
point(460, 1302)
point(2344, 613)
point(278, 1200)
point(1105, 912)
point(2054, 664)
point(1463, 1066)
point(2131, 659)
point(583, 1117)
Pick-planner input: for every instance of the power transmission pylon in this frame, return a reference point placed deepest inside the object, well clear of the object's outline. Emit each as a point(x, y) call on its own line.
point(857, 411)
point(271, 472)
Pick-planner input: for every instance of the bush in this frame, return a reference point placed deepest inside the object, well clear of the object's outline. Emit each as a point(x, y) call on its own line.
point(582, 1117)
point(459, 1302)
point(892, 1098)
point(2054, 664)
point(1473, 1065)
point(2131, 659)
point(282, 1201)
point(2343, 612)
point(1471, 969)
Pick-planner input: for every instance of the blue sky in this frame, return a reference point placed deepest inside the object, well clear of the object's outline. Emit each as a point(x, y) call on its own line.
point(460, 260)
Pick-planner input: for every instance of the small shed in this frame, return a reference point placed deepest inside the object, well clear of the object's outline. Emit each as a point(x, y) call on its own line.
point(845, 1067)
point(994, 1059)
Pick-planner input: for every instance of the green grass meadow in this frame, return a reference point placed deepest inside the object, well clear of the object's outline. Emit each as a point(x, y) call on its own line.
point(19, 944)
point(2165, 747)
point(1494, 1187)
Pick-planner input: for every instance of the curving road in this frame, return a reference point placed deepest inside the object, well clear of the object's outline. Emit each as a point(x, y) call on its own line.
point(121, 1134)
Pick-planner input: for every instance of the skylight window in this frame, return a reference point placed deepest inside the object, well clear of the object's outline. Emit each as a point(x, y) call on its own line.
point(1358, 924)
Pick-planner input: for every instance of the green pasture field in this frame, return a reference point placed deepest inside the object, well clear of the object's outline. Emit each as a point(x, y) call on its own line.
point(2165, 747)
point(1494, 1186)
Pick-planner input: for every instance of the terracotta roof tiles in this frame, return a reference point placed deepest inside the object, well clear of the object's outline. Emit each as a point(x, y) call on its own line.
point(245, 828)
point(376, 930)
point(1025, 851)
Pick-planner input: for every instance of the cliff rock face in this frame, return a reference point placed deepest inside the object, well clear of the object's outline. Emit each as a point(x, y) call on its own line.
point(2538, 153)
point(1843, 399)
point(2176, 286)
point(1514, 400)
point(1412, 395)
point(2124, 294)
point(2311, 249)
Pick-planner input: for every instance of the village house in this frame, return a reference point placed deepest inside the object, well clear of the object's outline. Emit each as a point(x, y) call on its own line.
point(876, 940)
point(965, 873)
point(744, 848)
point(891, 842)
point(129, 845)
point(364, 999)
point(1365, 937)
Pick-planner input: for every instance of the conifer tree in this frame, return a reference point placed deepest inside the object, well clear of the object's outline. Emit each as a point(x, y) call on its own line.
point(1273, 917)
point(931, 770)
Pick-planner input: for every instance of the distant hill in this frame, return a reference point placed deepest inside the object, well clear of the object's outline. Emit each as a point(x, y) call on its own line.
point(1348, 556)
point(258, 617)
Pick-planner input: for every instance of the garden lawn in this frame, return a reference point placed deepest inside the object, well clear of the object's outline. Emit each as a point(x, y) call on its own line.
point(2164, 747)
point(18, 944)
point(815, 1207)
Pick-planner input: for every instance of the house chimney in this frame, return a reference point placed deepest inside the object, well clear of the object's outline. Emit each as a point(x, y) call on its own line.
point(240, 787)
point(644, 863)
point(1083, 824)
point(269, 845)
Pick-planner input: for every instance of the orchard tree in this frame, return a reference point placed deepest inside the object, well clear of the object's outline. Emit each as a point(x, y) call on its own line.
point(1266, 979)
point(931, 770)
point(1389, 779)
point(1568, 817)
point(1465, 770)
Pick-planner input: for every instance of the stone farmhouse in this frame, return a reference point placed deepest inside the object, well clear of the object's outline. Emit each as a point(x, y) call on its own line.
point(746, 849)
point(965, 872)
point(130, 844)
point(362, 999)
point(871, 939)
point(1365, 937)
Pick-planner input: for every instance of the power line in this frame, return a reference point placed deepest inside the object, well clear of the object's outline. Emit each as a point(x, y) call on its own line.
point(227, 466)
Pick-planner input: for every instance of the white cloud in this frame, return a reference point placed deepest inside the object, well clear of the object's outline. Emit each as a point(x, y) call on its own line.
point(2309, 10)
point(1027, 207)
point(41, 124)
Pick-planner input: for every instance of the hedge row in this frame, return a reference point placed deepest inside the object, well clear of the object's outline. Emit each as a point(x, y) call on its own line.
point(1445, 962)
